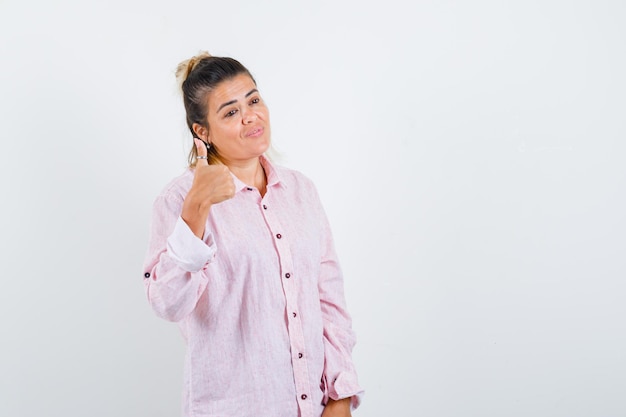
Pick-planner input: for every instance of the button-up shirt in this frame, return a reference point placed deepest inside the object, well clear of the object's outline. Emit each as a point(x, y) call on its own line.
point(259, 300)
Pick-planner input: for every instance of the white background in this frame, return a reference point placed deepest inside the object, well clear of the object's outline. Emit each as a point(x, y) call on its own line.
point(470, 155)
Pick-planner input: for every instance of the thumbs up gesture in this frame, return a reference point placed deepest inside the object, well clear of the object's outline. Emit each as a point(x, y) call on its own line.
point(212, 184)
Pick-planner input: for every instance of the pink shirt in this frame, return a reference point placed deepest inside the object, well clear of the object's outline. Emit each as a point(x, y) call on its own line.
point(259, 300)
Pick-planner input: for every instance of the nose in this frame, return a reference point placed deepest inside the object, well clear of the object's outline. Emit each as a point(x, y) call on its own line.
point(249, 116)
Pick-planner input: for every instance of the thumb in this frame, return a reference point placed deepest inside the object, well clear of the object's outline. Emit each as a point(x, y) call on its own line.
point(201, 151)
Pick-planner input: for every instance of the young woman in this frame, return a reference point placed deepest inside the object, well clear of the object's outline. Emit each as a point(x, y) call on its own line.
point(241, 256)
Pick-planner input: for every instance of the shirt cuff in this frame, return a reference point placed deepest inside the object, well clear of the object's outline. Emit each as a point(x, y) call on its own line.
point(345, 385)
point(187, 251)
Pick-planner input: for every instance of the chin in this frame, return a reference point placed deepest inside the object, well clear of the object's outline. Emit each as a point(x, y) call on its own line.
point(264, 147)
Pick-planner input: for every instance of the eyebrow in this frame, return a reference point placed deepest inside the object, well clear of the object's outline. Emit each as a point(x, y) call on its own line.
point(228, 103)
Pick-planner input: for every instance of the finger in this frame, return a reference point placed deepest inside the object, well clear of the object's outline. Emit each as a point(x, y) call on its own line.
point(201, 152)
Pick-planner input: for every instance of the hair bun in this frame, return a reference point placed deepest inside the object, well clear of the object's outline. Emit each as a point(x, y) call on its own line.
point(185, 67)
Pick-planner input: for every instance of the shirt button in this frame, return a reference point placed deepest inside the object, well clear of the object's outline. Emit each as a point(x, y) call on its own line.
point(264, 207)
point(249, 189)
point(287, 275)
point(147, 275)
point(279, 236)
point(294, 314)
point(303, 396)
point(300, 355)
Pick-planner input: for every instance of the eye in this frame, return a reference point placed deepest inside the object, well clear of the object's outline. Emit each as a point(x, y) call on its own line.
point(255, 100)
point(231, 113)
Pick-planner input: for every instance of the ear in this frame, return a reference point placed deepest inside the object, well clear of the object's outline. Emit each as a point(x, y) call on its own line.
point(201, 131)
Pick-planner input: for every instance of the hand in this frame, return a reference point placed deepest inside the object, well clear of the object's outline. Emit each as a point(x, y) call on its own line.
point(212, 184)
point(337, 408)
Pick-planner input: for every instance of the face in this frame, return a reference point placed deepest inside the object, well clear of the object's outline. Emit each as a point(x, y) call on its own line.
point(238, 121)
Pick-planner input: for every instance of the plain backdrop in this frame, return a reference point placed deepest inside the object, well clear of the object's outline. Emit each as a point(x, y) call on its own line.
point(470, 155)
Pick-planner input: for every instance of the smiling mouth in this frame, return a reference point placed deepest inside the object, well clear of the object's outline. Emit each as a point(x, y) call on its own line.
point(255, 133)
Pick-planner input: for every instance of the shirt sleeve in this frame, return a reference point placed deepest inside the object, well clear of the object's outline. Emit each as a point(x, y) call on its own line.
point(339, 379)
point(174, 268)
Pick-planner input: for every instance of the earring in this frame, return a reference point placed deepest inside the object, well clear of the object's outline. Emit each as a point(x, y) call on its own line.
point(206, 143)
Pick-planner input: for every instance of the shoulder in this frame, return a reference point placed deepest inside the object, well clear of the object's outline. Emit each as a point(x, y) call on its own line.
point(178, 187)
point(298, 187)
point(294, 178)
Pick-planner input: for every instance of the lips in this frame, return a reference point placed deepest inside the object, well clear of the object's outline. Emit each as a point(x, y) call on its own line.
point(255, 132)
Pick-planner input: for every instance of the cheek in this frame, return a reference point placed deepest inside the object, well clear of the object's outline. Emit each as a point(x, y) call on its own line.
point(224, 131)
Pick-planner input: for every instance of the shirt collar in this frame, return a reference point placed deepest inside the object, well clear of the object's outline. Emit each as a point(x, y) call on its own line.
point(271, 173)
point(273, 178)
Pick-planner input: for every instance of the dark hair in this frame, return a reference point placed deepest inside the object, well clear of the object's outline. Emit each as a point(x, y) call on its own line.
point(198, 76)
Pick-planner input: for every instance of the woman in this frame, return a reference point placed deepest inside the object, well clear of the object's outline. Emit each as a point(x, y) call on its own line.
point(241, 256)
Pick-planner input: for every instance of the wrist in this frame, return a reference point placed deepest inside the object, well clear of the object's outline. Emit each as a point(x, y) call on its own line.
point(194, 207)
point(195, 214)
point(344, 402)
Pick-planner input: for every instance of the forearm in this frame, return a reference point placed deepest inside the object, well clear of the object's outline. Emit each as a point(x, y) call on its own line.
point(337, 408)
point(195, 213)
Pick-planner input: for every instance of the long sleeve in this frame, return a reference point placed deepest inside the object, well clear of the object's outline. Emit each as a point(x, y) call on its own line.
point(339, 377)
point(176, 260)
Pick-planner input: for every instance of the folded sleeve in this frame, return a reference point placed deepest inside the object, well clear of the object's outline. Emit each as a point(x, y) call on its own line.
point(186, 250)
point(176, 261)
point(339, 380)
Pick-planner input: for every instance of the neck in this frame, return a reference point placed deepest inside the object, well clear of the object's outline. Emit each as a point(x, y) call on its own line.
point(250, 172)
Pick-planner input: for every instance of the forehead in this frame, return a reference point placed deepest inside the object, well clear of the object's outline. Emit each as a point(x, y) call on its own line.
point(234, 88)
